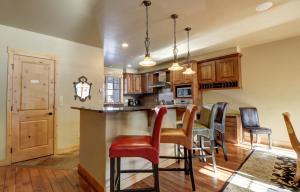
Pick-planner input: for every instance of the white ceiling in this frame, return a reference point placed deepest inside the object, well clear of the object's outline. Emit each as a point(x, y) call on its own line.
point(216, 24)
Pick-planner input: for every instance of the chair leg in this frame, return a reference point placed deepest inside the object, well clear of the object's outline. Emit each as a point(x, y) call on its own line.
point(243, 136)
point(156, 177)
point(224, 146)
point(118, 173)
point(212, 151)
point(270, 141)
point(191, 169)
point(112, 174)
point(202, 148)
point(251, 140)
point(256, 139)
point(186, 170)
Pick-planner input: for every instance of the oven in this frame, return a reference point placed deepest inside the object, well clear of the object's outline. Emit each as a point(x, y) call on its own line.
point(183, 91)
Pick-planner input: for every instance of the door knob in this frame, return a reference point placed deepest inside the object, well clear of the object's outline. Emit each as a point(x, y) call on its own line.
point(50, 113)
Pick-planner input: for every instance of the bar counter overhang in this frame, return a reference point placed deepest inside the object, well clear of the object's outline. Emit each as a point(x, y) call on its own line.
point(100, 126)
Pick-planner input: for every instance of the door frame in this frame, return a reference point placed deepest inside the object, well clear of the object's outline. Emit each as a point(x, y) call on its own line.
point(11, 52)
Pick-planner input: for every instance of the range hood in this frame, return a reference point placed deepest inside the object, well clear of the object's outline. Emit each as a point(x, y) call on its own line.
point(162, 80)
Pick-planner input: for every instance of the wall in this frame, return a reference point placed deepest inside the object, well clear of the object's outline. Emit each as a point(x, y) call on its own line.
point(74, 60)
point(271, 82)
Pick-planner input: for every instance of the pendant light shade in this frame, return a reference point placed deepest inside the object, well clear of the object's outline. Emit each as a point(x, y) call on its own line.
point(147, 61)
point(175, 66)
point(188, 70)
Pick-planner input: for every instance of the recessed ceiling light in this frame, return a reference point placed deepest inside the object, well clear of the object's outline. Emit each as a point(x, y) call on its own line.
point(264, 6)
point(129, 65)
point(124, 45)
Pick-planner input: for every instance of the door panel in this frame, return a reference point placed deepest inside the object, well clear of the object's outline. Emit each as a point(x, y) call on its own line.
point(207, 72)
point(227, 69)
point(33, 108)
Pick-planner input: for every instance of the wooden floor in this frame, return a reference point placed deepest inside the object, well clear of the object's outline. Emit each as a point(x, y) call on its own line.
point(204, 176)
point(27, 179)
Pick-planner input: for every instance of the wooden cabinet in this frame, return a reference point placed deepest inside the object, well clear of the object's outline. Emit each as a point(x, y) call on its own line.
point(149, 82)
point(220, 73)
point(233, 129)
point(207, 72)
point(227, 69)
point(137, 83)
point(177, 77)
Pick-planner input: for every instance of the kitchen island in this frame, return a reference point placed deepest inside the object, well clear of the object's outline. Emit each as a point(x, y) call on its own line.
point(100, 126)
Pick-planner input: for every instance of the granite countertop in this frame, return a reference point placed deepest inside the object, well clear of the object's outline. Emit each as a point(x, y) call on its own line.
point(125, 109)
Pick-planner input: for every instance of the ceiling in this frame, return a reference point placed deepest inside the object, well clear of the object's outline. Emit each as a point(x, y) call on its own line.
point(74, 20)
point(216, 24)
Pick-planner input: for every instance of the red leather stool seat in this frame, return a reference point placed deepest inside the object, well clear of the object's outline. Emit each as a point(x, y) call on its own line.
point(134, 146)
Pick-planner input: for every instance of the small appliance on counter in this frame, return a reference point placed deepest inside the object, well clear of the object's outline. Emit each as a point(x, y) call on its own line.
point(134, 102)
point(183, 101)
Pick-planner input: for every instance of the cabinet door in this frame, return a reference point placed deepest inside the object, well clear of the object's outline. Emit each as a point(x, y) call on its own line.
point(177, 77)
point(227, 69)
point(206, 72)
point(144, 81)
point(137, 81)
point(149, 82)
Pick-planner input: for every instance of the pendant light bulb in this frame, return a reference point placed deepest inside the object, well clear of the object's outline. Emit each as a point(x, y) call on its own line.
point(188, 70)
point(147, 61)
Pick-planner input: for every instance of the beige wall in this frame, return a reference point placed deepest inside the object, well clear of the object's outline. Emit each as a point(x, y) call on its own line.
point(271, 82)
point(74, 60)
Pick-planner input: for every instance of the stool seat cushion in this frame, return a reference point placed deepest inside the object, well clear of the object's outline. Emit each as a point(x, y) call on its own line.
point(176, 136)
point(134, 146)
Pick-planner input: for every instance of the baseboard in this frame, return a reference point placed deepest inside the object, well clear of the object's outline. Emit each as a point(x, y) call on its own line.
point(67, 149)
point(134, 178)
point(275, 143)
point(90, 179)
point(5, 162)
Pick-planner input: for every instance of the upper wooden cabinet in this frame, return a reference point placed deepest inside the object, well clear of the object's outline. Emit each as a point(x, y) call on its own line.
point(227, 69)
point(137, 83)
point(177, 77)
point(207, 72)
point(221, 72)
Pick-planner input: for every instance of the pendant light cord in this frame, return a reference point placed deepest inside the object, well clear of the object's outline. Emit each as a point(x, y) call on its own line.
point(147, 39)
point(175, 50)
point(188, 45)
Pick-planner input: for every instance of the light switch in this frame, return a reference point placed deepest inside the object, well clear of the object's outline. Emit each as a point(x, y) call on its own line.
point(61, 100)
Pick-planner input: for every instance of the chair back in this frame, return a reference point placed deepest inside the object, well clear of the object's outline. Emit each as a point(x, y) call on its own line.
point(160, 113)
point(212, 121)
point(292, 135)
point(188, 120)
point(220, 116)
point(249, 117)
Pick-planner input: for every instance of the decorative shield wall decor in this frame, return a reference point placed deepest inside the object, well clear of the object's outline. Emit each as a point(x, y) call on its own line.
point(82, 89)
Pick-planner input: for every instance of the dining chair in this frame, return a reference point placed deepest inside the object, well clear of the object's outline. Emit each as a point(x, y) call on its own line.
point(295, 143)
point(250, 123)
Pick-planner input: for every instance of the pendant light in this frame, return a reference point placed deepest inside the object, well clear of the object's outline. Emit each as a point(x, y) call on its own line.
point(188, 70)
point(175, 66)
point(147, 62)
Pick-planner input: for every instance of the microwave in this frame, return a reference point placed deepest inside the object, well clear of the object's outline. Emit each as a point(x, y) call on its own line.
point(184, 91)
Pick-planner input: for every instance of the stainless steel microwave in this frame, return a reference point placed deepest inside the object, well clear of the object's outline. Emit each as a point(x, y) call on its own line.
point(184, 91)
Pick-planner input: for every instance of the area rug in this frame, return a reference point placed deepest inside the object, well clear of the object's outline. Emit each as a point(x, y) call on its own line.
point(265, 171)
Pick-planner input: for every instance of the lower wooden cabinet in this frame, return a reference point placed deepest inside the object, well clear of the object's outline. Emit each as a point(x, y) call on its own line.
point(233, 129)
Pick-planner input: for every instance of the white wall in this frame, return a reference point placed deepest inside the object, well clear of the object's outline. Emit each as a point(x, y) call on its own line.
point(271, 82)
point(74, 60)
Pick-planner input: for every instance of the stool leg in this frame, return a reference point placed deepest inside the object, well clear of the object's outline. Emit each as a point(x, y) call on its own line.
point(224, 146)
point(186, 162)
point(118, 173)
point(256, 139)
point(251, 140)
point(156, 177)
point(112, 174)
point(191, 169)
point(270, 141)
point(212, 146)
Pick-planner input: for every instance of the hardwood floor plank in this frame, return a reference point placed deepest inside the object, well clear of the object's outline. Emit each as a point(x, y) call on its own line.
point(10, 179)
point(63, 181)
point(23, 181)
point(54, 182)
point(2, 177)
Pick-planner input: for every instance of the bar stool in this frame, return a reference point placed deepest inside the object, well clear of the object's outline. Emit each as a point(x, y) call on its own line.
point(184, 137)
point(146, 147)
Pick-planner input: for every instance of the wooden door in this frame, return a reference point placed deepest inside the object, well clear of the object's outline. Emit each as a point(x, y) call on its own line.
point(32, 108)
point(227, 69)
point(206, 72)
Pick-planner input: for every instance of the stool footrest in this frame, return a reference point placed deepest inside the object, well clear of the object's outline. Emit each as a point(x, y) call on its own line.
point(172, 169)
point(137, 190)
point(137, 171)
point(170, 157)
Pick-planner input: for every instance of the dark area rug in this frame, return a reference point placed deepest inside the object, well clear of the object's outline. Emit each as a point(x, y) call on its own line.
point(265, 171)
